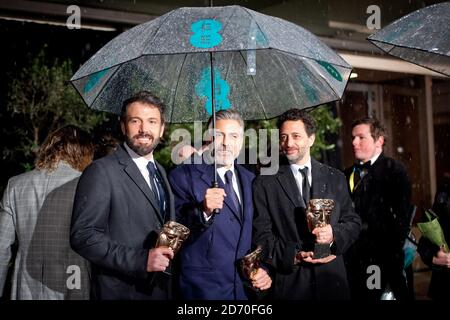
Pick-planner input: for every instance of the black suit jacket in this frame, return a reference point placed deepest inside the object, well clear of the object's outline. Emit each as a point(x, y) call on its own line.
point(280, 227)
point(114, 224)
point(382, 199)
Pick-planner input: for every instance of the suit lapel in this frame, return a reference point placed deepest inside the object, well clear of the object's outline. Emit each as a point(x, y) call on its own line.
point(287, 182)
point(295, 215)
point(320, 183)
point(135, 175)
point(169, 193)
point(207, 174)
point(229, 203)
point(246, 192)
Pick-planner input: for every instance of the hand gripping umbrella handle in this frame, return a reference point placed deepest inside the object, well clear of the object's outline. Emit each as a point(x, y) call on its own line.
point(215, 184)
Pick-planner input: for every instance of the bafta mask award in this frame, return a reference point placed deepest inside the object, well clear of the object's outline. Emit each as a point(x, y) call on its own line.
point(172, 235)
point(251, 262)
point(318, 214)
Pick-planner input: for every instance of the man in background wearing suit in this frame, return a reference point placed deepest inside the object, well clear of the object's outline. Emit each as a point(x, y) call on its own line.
point(122, 201)
point(381, 192)
point(209, 260)
point(280, 225)
point(36, 208)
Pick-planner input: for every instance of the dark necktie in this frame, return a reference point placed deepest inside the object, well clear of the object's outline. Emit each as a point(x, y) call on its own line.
point(305, 185)
point(157, 187)
point(229, 190)
point(360, 171)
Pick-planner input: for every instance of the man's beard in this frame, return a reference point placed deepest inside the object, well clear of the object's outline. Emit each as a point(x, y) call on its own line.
point(224, 159)
point(140, 149)
point(295, 158)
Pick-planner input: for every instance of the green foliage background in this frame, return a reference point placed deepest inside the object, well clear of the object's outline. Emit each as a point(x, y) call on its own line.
point(40, 100)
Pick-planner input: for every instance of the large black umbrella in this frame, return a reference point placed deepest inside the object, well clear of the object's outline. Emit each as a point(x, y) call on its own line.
point(262, 65)
point(257, 64)
point(421, 37)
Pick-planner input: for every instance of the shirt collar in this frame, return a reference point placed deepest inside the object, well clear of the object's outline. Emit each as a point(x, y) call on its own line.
point(222, 170)
point(140, 161)
point(295, 167)
point(373, 159)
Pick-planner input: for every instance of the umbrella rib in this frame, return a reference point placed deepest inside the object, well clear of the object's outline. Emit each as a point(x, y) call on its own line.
point(325, 80)
point(332, 89)
point(290, 85)
point(229, 65)
point(256, 89)
point(106, 83)
point(404, 46)
point(176, 87)
point(160, 26)
point(299, 55)
point(257, 24)
point(226, 25)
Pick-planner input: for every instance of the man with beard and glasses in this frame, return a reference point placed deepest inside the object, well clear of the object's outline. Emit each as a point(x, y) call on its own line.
point(280, 225)
point(122, 201)
point(209, 260)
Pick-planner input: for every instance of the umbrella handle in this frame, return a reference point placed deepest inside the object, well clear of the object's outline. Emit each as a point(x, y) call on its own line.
point(215, 184)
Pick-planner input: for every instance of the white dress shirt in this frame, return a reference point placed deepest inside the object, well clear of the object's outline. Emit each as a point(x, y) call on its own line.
point(298, 176)
point(141, 163)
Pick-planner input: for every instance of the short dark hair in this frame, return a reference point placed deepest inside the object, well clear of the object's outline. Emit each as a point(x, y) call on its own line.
point(376, 128)
point(144, 97)
point(296, 115)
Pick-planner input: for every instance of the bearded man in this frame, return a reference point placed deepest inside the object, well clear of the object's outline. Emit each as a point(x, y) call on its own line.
point(122, 201)
point(280, 226)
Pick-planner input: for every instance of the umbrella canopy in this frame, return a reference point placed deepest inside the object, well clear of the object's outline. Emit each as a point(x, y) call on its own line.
point(259, 65)
point(421, 37)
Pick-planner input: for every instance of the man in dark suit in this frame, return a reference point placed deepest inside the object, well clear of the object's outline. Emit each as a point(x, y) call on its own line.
point(209, 260)
point(280, 224)
point(122, 201)
point(381, 192)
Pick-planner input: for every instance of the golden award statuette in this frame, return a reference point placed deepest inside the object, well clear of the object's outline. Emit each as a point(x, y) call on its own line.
point(251, 263)
point(318, 214)
point(172, 235)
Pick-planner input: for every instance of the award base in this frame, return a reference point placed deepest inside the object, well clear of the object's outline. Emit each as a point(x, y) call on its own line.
point(321, 250)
